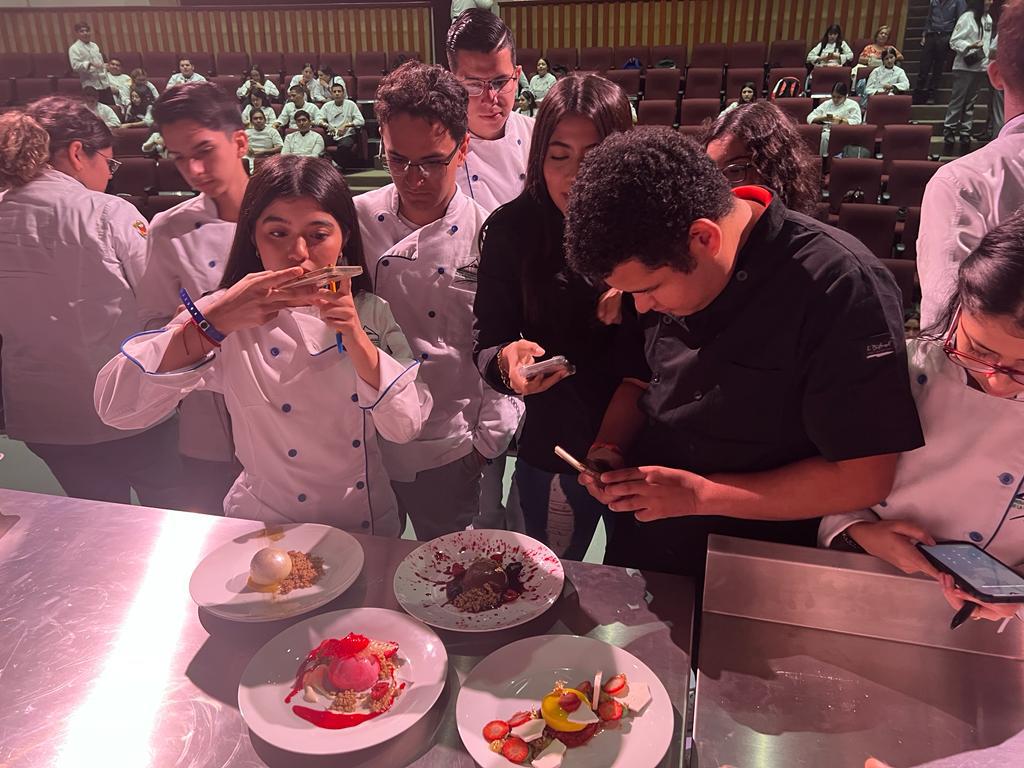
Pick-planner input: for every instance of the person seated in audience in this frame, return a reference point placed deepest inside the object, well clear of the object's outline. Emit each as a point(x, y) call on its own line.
point(872, 54)
point(140, 109)
point(120, 83)
point(264, 141)
point(419, 234)
point(297, 100)
point(258, 102)
point(458, 6)
point(141, 80)
point(155, 146)
point(87, 63)
point(107, 114)
point(760, 145)
point(342, 119)
point(526, 104)
point(748, 94)
point(529, 304)
point(887, 79)
point(838, 110)
point(304, 141)
point(186, 74)
point(770, 383)
point(305, 78)
point(72, 261)
point(254, 79)
point(832, 51)
point(967, 376)
point(287, 361)
point(320, 88)
point(541, 82)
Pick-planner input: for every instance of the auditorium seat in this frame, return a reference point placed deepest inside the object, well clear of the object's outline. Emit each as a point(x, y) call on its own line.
point(528, 57)
point(777, 73)
point(202, 61)
point(905, 142)
point(136, 176)
point(823, 79)
point(373, 63)
point(676, 53)
point(340, 62)
point(789, 53)
point(159, 203)
point(657, 112)
point(562, 57)
point(15, 65)
point(395, 58)
point(51, 65)
point(129, 60)
point(811, 134)
point(736, 78)
point(662, 83)
point(6, 91)
point(843, 135)
point(625, 53)
point(232, 63)
point(366, 87)
point(696, 111)
point(858, 175)
point(888, 110)
point(229, 83)
point(160, 64)
point(857, 45)
point(707, 55)
point(295, 61)
point(269, 61)
point(907, 247)
point(28, 89)
point(160, 82)
point(747, 55)
point(907, 180)
point(598, 59)
point(797, 109)
point(169, 178)
point(70, 86)
point(873, 225)
point(905, 273)
point(627, 79)
point(128, 141)
point(350, 86)
point(703, 83)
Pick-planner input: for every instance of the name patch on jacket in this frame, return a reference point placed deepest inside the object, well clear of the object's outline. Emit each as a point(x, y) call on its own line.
point(879, 346)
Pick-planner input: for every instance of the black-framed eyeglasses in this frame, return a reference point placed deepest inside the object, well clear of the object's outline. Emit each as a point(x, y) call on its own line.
point(426, 168)
point(736, 173)
point(971, 363)
point(475, 87)
point(113, 165)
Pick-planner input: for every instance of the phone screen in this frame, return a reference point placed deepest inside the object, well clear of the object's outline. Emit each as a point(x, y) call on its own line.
point(978, 569)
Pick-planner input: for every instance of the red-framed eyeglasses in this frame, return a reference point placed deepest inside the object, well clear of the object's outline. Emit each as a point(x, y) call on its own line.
point(971, 363)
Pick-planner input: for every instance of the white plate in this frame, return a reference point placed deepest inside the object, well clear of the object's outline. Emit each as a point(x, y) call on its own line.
point(421, 577)
point(519, 675)
point(218, 583)
point(269, 677)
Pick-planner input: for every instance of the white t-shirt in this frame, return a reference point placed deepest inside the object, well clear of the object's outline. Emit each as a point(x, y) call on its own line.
point(495, 171)
point(311, 144)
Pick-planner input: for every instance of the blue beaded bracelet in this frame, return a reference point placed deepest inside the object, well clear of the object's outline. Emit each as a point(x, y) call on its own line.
point(201, 322)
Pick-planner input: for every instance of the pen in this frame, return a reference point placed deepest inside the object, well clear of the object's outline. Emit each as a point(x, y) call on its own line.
point(962, 615)
point(337, 335)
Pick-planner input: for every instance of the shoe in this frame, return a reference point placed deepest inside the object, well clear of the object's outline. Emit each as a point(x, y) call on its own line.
point(947, 147)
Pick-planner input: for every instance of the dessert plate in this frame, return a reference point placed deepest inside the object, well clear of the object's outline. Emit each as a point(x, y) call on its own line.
point(220, 583)
point(269, 677)
point(517, 676)
point(421, 577)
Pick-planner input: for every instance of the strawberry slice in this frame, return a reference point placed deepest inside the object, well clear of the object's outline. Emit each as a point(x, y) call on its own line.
point(519, 718)
point(610, 710)
point(587, 689)
point(351, 644)
point(615, 686)
point(570, 702)
point(380, 690)
point(496, 729)
point(515, 750)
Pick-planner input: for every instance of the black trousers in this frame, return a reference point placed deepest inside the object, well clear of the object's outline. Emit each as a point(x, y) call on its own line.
point(933, 62)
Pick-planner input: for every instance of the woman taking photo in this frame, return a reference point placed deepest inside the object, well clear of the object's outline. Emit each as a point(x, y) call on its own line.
point(310, 377)
point(971, 38)
point(530, 304)
point(70, 259)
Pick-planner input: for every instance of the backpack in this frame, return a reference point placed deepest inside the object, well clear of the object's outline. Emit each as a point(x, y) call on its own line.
point(786, 88)
point(665, 64)
point(633, 63)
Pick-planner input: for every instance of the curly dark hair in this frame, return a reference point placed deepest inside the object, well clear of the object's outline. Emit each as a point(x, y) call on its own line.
point(427, 91)
point(636, 196)
point(778, 154)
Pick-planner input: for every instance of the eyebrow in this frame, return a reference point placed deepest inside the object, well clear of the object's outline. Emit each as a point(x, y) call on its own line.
point(282, 220)
point(557, 143)
point(983, 348)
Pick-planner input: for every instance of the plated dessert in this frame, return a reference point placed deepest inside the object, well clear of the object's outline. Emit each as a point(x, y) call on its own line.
point(279, 572)
point(484, 584)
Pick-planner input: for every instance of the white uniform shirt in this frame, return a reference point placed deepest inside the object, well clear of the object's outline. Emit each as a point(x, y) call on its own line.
point(845, 54)
point(261, 141)
point(317, 90)
point(107, 115)
point(287, 117)
point(416, 271)
point(849, 110)
point(495, 171)
point(305, 424)
point(268, 88)
point(965, 33)
point(122, 88)
point(87, 62)
point(268, 111)
point(69, 261)
point(458, 6)
point(334, 116)
point(882, 76)
point(961, 485)
point(539, 86)
point(188, 248)
point(965, 199)
point(311, 144)
point(179, 79)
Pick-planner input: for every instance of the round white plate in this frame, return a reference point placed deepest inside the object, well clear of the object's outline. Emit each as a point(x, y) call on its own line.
point(269, 677)
point(518, 676)
point(421, 577)
point(219, 582)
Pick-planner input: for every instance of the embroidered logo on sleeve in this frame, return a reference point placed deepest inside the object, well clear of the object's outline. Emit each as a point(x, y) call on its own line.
point(140, 226)
point(879, 346)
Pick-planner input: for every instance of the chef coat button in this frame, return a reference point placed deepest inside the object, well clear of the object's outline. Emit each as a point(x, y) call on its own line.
point(302, 497)
point(1006, 478)
point(475, 177)
point(922, 379)
point(440, 270)
point(199, 224)
point(287, 407)
point(292, 453)
point(698, 395)
point(431, 313)
point(424, 355)
point(976, 536)
point(380, 217)
point(274, 351)
point(384, 263)
point(522, 176)
point(453, 229)
point(365, 523)
point(666, 319)
point(356, 443)
point(519, 142)
point(355, 398)
point(655, 378)
point(360, 485)
point(213, 264)
point(741, 276)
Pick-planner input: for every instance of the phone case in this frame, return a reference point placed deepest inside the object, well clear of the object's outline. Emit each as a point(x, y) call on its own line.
point(573, 462)
point(544, 367)
point(324, 277)
point(963, 583)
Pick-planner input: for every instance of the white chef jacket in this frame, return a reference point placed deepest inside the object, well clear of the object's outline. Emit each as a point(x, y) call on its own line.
point(317, 90)
point(849, 110)
point(287, 117)
point(966, 33)
point(415, 269)
point(268, 88)
point(179, 79)
point(310, 145)
point(121, 85)
point(305, 424)
point(69, 261)
point(268, 111)
point(458, 6)
point(539, 86)
point(263, 140)
point(845, 54)
point(81, 56)
point(495, 171)
point(188, 248)
point(961, 484)
point(153, 90)
point(881, 77)
point(963, 200)
point(334, 116)
point(107, 115)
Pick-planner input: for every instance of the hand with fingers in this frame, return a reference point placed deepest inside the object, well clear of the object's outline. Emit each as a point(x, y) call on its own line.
point(609, 307)
point(956, 597)
point(338, 310)
point(894, 541)
point(519, 353)
point(256, 299)
point(650, 493)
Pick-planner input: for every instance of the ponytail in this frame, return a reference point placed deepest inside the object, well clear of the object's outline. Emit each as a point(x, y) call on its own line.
point(24, 149)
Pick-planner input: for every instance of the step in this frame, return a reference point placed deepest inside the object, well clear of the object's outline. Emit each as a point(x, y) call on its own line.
point(937, 149)
point(930, 113)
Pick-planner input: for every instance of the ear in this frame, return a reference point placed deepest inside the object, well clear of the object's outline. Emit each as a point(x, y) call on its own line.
point(995, 76)
point(76, 155)
point(705, 239)
point(241, 141)
point(460, 156)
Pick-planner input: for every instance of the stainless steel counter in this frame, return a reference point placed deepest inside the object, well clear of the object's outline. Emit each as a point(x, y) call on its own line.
point(105, 661)
point(821, 659)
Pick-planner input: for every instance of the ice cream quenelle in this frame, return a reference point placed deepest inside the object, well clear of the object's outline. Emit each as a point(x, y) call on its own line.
point(276, 571)
point(269, 566)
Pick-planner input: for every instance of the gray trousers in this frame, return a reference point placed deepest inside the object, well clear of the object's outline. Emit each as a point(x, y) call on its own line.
point(494, 511)
point(441, 500)
point(960, 113)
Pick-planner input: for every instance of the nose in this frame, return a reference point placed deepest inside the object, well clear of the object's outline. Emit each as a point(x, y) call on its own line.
point(643, 302)
point(195, 166)
point(299, 251)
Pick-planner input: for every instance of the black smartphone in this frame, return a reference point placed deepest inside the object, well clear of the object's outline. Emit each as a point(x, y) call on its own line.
point(976, 571)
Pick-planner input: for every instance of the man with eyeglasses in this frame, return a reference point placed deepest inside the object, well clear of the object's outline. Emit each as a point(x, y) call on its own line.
point(189, 244)
point(482, 55)
point(420, 240)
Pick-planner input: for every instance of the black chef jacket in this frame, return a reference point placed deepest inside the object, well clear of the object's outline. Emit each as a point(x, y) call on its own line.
point(801, 355)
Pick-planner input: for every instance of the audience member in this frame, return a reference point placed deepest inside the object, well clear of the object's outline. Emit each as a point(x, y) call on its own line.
point(526, 104)
point(140, 79)
point(72, 257)
point(541, 82)
point(938, 28)
point(306, 78)
point(342, 119)
point(458, 6)
point(297, 101)
point(263, 140)
point(254, 79)
point(748, 94)
point(420, 235)
point(139, 113)
point(107, 114)
point(120, 83)
point(530, 304)
point(320, 88)
point(186, 74)
point(971, 195)
point(838, 110)
point(258, 103)
point(970, 40)
point(154, 145)
point(87, 62)
point(775, 384)
point(887, 79)
point(760, 145)
point(832, 51)
point(872, 54)
point(303, 141)
point(308, 454)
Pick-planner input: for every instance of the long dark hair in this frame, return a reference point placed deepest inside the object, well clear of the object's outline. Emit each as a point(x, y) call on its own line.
point(777, 152)
point(286, 176)
point(839, 36)
point(145, 102)
point(977, 7)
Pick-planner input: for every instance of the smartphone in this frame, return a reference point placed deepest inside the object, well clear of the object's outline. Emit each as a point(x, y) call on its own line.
point(590, 467)
point(544, 367)
point(976, 571)
point(322, 278)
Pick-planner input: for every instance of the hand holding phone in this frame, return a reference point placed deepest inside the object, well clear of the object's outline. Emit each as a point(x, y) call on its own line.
point(545, 367)
point(516, 356)
point(590, 467)
point(976, 572)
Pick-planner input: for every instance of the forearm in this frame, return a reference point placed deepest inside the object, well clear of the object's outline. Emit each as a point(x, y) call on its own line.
point(365, 358)
point(188, 346)
point(623, 418)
